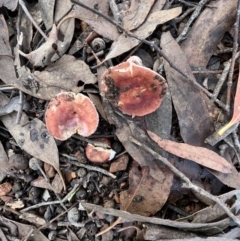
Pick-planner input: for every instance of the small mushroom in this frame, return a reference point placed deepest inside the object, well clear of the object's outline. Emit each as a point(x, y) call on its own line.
point(134, 89)
point(69, 113)
point(99, 154)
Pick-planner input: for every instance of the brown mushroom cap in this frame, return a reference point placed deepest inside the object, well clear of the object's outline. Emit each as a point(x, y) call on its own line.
point(69, 113)
point(134, 89)
point(99, 154)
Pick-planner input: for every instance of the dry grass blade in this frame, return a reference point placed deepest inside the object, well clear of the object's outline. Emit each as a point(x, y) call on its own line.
point(199, 155)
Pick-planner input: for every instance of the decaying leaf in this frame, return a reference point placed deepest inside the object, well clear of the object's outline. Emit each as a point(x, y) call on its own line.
point(143, 193)
point(43, 55)
point(32, 137)
point(200, 155)
point(10, 4)
point(208, 30)
point(137, 13)
point(190, 104)
point(66, 74)
point(21, 230)
point(46, 8)
point(66, 29)
point(3, 163)
point(99, 24)
point(7, 70)
point(125, 43)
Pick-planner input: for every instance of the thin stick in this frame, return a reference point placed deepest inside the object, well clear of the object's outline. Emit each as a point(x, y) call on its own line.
point(191, 19)
point(170, 223)
point(222, 79)
point(234, 53)
point(187, 183)
point(21, 2)
point(20, 108)
point(91, 168)
point(152, 45)
point(51, 202)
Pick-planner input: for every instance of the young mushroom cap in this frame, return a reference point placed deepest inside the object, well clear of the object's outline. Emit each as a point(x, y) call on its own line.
point(69, 113)
point(99, 154)
point(134, 89)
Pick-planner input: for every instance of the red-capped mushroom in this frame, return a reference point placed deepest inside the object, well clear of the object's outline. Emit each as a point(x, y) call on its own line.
point(69, 113)
point(134, 89)
point(99, 154)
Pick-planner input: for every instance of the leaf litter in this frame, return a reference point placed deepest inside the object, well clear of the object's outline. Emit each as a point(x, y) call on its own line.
point(144, 186)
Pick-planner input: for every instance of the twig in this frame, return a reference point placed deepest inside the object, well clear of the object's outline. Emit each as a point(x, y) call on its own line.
point(154, 46)
point(191, 19)
point(115, 11)
point(49, 184)
point(51, 202)
point(187, 183)
point(153, 220)
point(234, 53)
point(187, 3)
point(21, 2)
point(222, 79)
point(52, 220)
point(88, 140)
point(91, 168)
point(20, 108)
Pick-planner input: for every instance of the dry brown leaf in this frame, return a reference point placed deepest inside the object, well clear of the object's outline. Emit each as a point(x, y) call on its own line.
point(33, 137)
point(22, 230)
point(3, 163)
point(43, 55)
point(189, 102)
point(7, 70)
point(144, 195)
point(137, 13)
point(199, 155)
point(10, 4)
point(97, 23)
point(46, 8)
point(203, 38)
point(66, 29)
point(5, 188)
point(33, 218)
point(125, 43)
point(66, 74)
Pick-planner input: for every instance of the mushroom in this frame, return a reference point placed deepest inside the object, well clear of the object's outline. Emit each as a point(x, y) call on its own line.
point(134, 89)
point(69, 113)
point(99, 154)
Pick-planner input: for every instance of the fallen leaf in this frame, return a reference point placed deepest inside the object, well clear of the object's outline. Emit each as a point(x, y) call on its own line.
point(46, 8)
point(43, 55)
point(189, 102)
point(21, 230)
point(32, 137)
point(10, 4)
point(66, 74)
point(97, 23)
point(15, 204)
point(137, 13)
point(143, 193)
point(5, 188)
point(7, 69)
point(125, 43)
point(3, 163)
point(199, 155)
point(33, 218)
point(208, 30)
point(66, 28)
